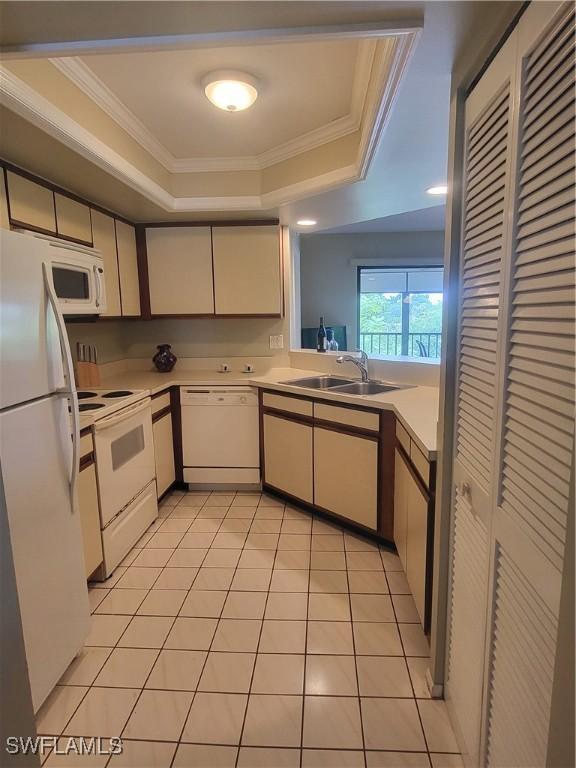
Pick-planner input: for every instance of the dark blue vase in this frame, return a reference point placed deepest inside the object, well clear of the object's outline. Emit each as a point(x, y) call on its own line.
point(164, 359)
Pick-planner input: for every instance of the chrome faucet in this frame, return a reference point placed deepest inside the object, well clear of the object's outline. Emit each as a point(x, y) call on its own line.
point(360, 363)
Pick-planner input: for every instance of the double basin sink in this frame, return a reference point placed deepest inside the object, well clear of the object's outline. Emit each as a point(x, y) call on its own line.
point(344, 386)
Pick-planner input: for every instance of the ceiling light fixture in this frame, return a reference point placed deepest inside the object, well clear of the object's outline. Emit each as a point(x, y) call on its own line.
point(231, 91)
point(440, 190)
point(306, 222)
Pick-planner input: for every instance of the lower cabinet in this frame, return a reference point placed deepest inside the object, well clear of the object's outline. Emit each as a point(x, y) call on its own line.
point(90, 518)
point(288, 456)
point(346, 475)
point(164, 453)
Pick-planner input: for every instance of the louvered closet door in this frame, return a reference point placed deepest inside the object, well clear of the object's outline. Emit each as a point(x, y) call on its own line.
point(536, 446)
point(485, 235)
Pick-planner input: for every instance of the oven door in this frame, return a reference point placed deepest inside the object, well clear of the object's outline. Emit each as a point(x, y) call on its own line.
point(124, 457)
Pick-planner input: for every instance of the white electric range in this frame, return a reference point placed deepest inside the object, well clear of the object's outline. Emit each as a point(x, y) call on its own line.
point(125, 467)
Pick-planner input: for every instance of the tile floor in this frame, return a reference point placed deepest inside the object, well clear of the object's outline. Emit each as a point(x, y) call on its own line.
point(243, 632)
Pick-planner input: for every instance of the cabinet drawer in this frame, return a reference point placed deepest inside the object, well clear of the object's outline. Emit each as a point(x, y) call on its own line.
point(352, 417)
point(403, 437)
point(160, 402)
point(289, 404)
point(420, 462)
point(124, 531)
point(86, 444)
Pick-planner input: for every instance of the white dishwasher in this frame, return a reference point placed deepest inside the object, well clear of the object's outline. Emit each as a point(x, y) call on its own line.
point(220, 443)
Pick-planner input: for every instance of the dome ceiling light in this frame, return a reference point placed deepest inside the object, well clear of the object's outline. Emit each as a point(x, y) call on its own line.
point(230, 91)
point(440, 190)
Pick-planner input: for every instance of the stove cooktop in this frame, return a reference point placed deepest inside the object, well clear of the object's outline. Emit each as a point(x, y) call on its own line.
point(102, 402)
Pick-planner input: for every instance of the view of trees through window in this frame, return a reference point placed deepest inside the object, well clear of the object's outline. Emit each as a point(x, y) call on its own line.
point(400, 311)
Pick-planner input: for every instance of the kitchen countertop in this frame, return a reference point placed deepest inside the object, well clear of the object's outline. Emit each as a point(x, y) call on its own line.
point(416, 406)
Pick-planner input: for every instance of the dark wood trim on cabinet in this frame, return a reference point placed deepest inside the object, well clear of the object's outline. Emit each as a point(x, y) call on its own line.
point(177, 432)
point(161, 413)
point(143, 278)
point(214, 223)
point(386, 474)
point(160, 393)
point(412, 469)
point(86, 461)
point(288, 416)
point(346, 429)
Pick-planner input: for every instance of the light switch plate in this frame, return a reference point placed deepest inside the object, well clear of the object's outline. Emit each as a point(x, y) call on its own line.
point(277, 342)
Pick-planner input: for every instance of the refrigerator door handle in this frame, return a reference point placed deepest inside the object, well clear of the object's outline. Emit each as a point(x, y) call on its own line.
point(70, 392)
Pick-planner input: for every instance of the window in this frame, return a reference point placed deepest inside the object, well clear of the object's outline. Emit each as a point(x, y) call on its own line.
point(400, 311)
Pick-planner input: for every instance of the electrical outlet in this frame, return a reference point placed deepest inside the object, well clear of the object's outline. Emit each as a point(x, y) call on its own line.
point(277, 342)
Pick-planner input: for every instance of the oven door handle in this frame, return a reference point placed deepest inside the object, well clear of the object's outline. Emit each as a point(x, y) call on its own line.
point(112, 421)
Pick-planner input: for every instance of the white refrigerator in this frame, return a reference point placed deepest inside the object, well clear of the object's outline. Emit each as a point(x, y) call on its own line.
point(39, 441)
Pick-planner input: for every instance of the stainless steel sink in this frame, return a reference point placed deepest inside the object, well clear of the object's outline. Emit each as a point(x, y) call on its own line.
point(319, 382)
point(366, 388)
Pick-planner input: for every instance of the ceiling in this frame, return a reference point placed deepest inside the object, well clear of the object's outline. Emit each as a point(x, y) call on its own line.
point(423, 220)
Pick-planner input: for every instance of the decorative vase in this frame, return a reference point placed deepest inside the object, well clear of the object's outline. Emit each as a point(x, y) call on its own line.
point(164, 359)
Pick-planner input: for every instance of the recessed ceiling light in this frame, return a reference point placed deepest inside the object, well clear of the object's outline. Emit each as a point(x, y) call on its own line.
point(306, 222)
point(440, 190)
point(231, 91)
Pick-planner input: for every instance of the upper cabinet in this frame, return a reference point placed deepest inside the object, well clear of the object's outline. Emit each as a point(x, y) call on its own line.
point(4, 220)
point(180, 275)
point(128, 269)
point(31, 204)
point(104, 234)
point(73, 219)
point(247, 273)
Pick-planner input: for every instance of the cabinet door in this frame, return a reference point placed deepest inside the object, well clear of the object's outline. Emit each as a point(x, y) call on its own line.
point(104, 236)
point(4, 220)
point(346, 475)
point(73, 219)
point(90, 518)
point(247, 276)
point(288, 456)
point(164, 453)
point(31, 204)
point(401, 481)
point(180, 270)
point(128, 269)
point(416, 537)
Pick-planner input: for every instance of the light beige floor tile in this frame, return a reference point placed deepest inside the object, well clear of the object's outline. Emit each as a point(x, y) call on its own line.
point(130, 557)
point(384, 676)
point(215, 718)
point(159, 716)
point(322, 526)
point(213, 578)
point(392, 724)
point(328, 607)
point(164, 540)
point(106, 630)
point(146, 632)
point(144, 754)
point(332, 758)
point(244, 605)
point(222, 558)
point(292, 512)
point(251, 580)
point(328, 581)
point(203, 604)
point(390, 560)
point(327, 543)
point(398, 583)
point(269, 513)
point(237, 635)
point(373, 638)
point(187, 558)
point(205, 756)
point(292, 559)
point(286, 605)
point(175, 525)
point(332, 722)
point(227, 672)
point(191, 634)
point(271, 501)
point(397, 760)
point(414, 640)
point(85, 667)
point(127, 668)
point(441, 760)
point(297, 526)
point(405, 609)
point(283, 637)
point(235, 525)
point(67, 758)
point(177, 670)
point(368, 582)
point(58, 709)
point(103, 712)
point(246, 500)
point(256, 558)
point(331, 676)
point(122, 601)
point(187, 511)
point(293, 541)
point(363, 561)
point(172, 498)
point(144, 539)
point(330, 637)
point(153, 558)
point(229, 540)
point(139, 578)
point(213, 513)
point(95, 597)
point(176, 578)
point(262, 541)
point(437, 728)
point(205, 525)
point(197, 540)
point(265, 526)
point(273, 720)
point(417, 667)
point(371, 608)
point(289, 581)
point(162, 602)
point(358, 544)
point(263, 757)
point(241, 513)
point(328, 561)
point(220, 500)
point(278, 673)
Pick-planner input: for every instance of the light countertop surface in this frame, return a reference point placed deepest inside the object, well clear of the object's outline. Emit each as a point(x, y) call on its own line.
point(416, 406)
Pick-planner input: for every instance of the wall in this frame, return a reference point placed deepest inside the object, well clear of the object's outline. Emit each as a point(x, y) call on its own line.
point(328, 279)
